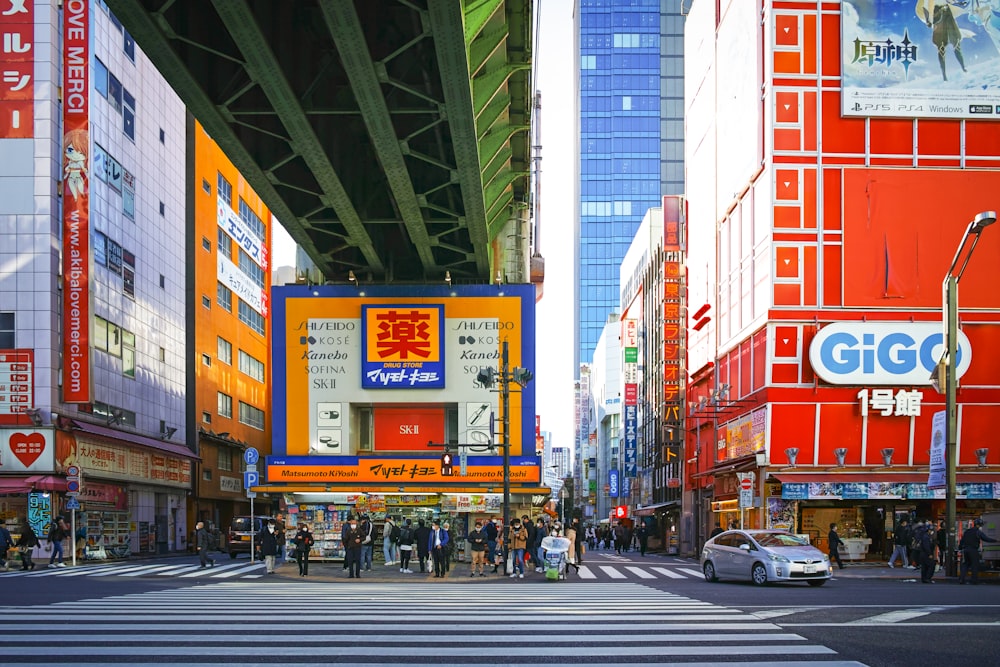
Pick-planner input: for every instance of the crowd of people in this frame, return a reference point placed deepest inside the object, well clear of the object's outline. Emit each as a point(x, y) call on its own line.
point(924, 546)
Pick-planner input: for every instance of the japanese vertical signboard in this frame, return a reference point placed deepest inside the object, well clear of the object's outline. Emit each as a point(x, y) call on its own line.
point(630, 368)
point(76, 381)
point(16, 385)
point(674, 330)
point(17, 62)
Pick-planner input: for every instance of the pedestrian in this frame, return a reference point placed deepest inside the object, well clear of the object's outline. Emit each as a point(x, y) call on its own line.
point(577, 540)
point(517, 539)
point(449, 547)
point(942, 544)
point(303, 545)
point(80, 541)
point(477, 545)
point(529, 551)
point(6, 542)
point(927, 563)
point(916, 546)
point(405, 546)
point(346, 526)
point(368, 543)
point(901, 542)
point(717, 530)
point(619, 536)
point(591, 536)
point(26, 542)
point(573, 536)
point(536, 547)
point(203, 543)
point(971, 541)
point(499, 555)
point(437, 541)
point(57, 533)
point(269, 545)
point(834, 545)
point(390, 536)
point(643, 534)
point(353, 547)
point(420, 537)
point(490, 528)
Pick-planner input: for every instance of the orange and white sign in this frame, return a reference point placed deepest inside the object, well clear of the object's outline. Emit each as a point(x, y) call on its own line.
point(372, 470)
point(17, 65)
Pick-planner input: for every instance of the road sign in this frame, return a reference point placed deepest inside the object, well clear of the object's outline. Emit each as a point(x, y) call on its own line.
point(250, 478)
point(251, 494)
point(72, 504)
point(746, 484)
point(72, 487)
point(463, 462)
point(72, 471)
point(746, 498)
point(251, 468)
point(251, 456)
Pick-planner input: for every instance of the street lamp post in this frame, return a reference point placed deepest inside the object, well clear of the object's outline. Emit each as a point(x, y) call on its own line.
point(950, 321)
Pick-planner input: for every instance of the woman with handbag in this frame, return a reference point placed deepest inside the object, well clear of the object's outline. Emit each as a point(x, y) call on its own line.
point(25, 544)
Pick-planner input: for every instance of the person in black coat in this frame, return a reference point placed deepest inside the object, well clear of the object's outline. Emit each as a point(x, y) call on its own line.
point(834, 543)
point(269, 545)
point(303, 545)
point(26, 542)
point(927, 562)
point(420, 535)
point(969, 546)
point(353, 539)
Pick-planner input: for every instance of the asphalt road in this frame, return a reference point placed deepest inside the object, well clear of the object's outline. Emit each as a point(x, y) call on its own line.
point(633, 610)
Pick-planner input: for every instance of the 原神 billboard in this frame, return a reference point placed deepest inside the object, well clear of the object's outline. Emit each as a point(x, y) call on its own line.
point(921, 59)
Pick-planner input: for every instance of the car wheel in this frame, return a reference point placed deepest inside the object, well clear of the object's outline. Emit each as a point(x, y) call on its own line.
point(232, 554)
point(758, 573)
point(709, 570)
point(817, 582)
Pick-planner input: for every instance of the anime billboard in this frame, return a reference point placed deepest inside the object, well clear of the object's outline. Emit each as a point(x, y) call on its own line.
point(921, 59)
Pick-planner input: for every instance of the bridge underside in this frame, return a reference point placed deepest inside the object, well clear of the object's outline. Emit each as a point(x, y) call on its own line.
point(389, 137)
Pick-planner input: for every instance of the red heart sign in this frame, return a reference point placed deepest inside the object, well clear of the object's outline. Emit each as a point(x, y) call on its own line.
point(27, 447)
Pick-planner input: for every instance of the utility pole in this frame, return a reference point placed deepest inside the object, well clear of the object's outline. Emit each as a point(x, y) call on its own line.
point(505, 401)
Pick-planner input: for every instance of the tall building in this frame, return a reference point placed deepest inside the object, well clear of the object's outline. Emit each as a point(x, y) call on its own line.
point(92, 291)
point(631, 151)
point(816, 256)
point(229, 382)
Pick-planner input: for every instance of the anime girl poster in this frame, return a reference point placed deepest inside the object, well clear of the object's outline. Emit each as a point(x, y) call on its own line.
point(76, 175)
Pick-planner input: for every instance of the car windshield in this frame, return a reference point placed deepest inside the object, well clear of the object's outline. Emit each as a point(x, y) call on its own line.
point(242, 523)
point(779, 540)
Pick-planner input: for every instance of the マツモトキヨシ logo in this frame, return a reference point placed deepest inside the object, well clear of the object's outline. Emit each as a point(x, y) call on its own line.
point(873, 353)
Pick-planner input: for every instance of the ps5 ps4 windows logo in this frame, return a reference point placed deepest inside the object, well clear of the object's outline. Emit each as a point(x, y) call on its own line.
point(882, 353)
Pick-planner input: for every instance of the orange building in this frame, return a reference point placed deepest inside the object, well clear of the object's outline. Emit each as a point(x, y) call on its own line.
point(831, 178)
point(229, 376)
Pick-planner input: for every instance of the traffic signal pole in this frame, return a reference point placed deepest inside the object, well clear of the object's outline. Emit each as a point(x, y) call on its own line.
point(505, 400)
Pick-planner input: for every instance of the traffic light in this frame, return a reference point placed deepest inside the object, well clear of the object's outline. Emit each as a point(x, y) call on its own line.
point(621, 511)
point(446, 469)
point(522, 376)
point(486, 377)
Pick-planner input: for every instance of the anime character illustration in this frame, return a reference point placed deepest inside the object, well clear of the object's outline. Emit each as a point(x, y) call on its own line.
point(77, 143)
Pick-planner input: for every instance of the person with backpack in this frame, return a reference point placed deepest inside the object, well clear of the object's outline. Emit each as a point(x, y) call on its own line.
point(6, 542)
point(390, 536)
point(971, 541)
point(303, 545)
point(901, 543)
point(917, 552)
point(420, 536)
point(405, 546)
point(367, 543)
point(26, 544)
point(57, 533)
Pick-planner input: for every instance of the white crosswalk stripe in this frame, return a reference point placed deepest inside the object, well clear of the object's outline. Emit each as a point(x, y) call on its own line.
point(234, 570)
point(236, 622)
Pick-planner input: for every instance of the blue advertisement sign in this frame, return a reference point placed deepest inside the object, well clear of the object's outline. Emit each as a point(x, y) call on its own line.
point(795, 491)
point(854, 490)
point(631, 440)
point(613, 483)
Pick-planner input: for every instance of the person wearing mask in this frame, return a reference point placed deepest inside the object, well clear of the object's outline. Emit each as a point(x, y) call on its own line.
point(26, 543)
point(203, 542)
point(303, 545)
point(353, 546)
point(927, 562)
point(269, 545)
point(490, 528)
point(529, 548)
point(390, 538)
point(405, 546)
point(420, 536)
point(437, 541)
point(368, 543)
point(969, 545)
point(517, 538)
point(449, 548)
point(643, 534)
point(536, 546)
point(477, 545)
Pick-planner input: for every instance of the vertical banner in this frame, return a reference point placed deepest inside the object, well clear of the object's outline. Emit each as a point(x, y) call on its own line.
point(76, 203)
point(17, 61)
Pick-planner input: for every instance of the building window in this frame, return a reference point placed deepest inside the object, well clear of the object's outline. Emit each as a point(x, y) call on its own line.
point(7, 331)
point(251, 268)
point(225, 405)
point(206, 244)
point(206, 417)
point(206, 359)
point(163, 208)
point(225, 244)
point(163, 136)
point(205, 185)
point(206, 474)
point(225, 189)
point(251, 416)
point(253, 221)
point(206, 302)
point(225, 459)
point(251, 366)
point(225, 353)
point(224, 297)
point(251, 317)
point(128, 354)
point(128, 114)
point(163, 281)
point(101, 77)
point(163, 354)
point(115, 92)
point(128, 274)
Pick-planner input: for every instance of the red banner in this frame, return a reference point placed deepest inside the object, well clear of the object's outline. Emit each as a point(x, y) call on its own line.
point(17, 62)
point(76, 202)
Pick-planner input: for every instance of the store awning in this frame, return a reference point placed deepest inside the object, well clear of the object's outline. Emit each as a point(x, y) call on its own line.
point(901, 477)
point(14, 485)
point(741, 464)
point(20, 485)
point(649, 510)
point(134, 438)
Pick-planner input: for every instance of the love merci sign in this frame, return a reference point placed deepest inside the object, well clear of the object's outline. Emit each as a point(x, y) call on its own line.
point(26, 450)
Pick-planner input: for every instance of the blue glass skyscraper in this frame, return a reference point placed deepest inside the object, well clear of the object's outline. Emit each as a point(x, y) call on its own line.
point(631, 83)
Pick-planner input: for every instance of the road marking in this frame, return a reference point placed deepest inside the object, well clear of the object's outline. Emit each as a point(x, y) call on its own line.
point(693, 573)
point(586, 573)
point(669, 573)
point(765, 614)
point(897, 616)
point(641, 573)
point(612, 572)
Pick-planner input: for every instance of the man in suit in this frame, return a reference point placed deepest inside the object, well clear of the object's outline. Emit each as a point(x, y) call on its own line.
point(437, 543)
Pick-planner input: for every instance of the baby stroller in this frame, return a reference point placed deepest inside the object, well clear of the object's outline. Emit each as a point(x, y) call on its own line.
point(555, 549)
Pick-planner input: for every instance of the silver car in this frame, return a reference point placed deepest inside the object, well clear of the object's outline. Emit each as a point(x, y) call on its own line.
point(763, 556)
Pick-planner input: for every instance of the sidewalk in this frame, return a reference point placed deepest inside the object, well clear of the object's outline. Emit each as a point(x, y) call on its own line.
point(381, 573)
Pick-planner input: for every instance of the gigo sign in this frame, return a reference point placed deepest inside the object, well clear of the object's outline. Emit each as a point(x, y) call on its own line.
point(896, 353)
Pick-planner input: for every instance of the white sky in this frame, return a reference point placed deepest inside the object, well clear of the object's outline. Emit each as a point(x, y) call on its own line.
point(555, 324)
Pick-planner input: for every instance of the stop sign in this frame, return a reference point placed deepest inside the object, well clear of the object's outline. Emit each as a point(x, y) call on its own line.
point(746, 484)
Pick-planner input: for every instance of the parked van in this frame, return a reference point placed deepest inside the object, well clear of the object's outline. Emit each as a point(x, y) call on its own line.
point(241, 529)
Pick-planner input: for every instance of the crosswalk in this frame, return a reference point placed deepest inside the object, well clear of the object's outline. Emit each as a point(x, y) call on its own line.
point(309, 623)
point(186, 570)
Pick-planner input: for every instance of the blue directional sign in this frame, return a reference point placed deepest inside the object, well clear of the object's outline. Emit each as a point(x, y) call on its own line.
point(613, 483)
point(251, 456)
point(251, 478)
point(72, 504)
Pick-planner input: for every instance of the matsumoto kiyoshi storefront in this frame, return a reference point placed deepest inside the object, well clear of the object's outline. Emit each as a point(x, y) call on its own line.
point(371, 383)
